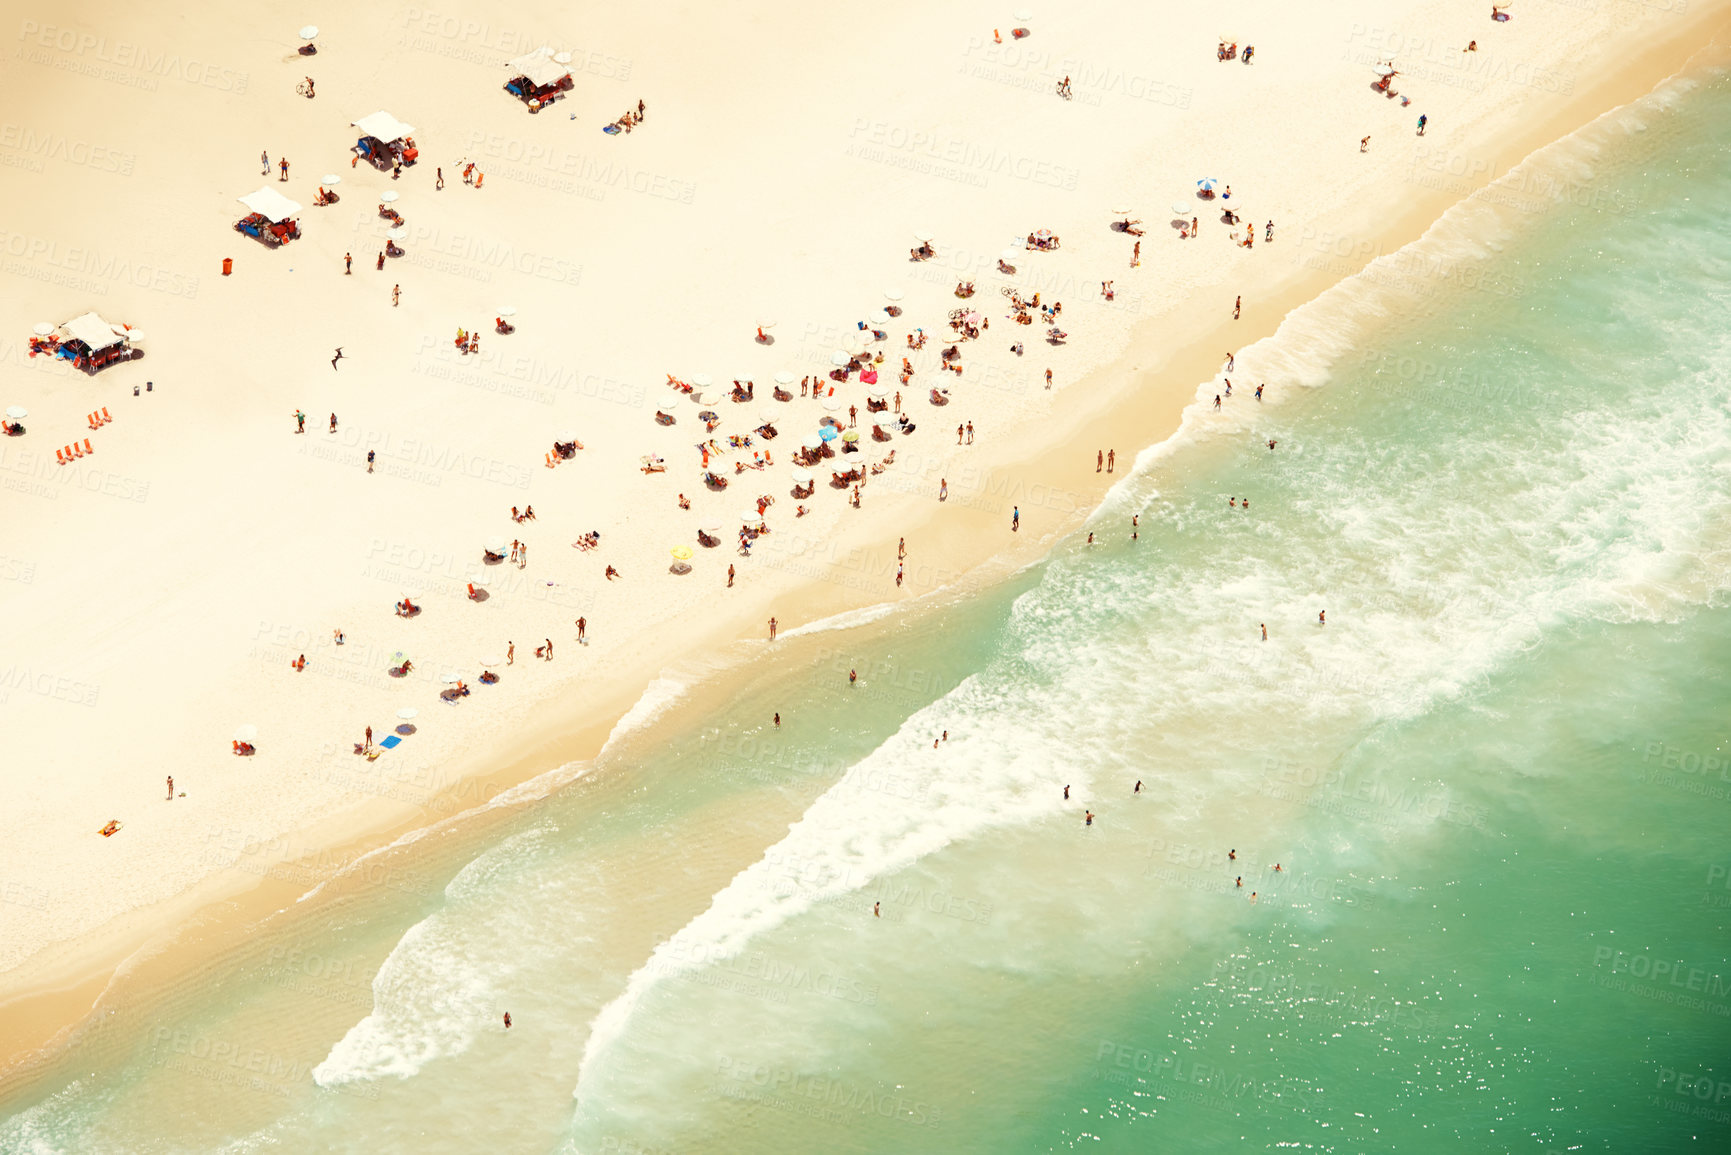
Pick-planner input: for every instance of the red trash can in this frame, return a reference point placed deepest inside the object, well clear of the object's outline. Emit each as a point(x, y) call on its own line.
point(227, 266)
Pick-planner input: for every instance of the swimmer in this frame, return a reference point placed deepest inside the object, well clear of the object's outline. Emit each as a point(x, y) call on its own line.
point(1232, 855)
point(1089, 815)
point(1138, 788)
point(1066, 793)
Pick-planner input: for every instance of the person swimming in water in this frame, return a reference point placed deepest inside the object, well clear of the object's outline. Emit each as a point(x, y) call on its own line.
point(1089, 814)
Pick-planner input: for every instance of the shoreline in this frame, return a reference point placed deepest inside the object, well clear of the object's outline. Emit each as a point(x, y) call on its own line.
point(212, 918)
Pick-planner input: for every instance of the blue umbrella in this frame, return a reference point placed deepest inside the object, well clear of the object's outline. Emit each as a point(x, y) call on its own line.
point(828, 433)
point(1206, 184)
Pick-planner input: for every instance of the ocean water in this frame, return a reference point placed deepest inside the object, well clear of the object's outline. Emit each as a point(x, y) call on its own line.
point(1447, 872)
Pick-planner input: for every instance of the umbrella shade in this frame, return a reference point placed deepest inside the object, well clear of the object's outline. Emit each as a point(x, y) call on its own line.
point(495, 545)
point(408, 712)
point(507, 310)
point(892, 294)
point(17, 412)
point(246, 733)
point(333, 178)
point(397, 234)
point(800, 476)
point(681, 553)
point(702, 380)
point(310, 31)
point(751, 517)
point(812, 442)
point(389, 196)
point(450, 677)
point(42, 328)
point(784, 378)
point(850, 435)
point(924, 238)
point(832, 403)
point(827, 433)
point(708, 415)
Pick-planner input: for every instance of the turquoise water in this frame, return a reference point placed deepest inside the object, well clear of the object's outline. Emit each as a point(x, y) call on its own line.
point(1495, 783)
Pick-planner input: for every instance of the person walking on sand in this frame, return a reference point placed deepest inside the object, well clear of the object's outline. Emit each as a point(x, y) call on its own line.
point(348, 264)
point(1364, 145)
point(1231, 359)
point(300, 421)
point(369, 744)
point(549, 649)
point(1268, 232)
point(333, 423)
point(958, 435)
point(396, 295)
point(381, 265)
point(1237, 306)
point(943, 489)
point(1015, 518)
point(1138, 788)
point(370, 460)
point(1111, 460)
point(772, 629)
point(729, 577)
point(1259, 392)
point(1048, 378)
point(1136, 255)
point(898, 575)
point(970, 433)
point(264, 159)
point(901, 548)
point(1099, 460)
point(438, 179)
point(337, 358)
point(1422, 120)
point(510, 652)
point(171, 788)
point(583, 630)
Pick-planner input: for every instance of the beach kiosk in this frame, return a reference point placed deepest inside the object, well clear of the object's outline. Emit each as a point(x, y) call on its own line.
point(385, 141)
point(91, 343)
point(538, 78)
point(272, 217)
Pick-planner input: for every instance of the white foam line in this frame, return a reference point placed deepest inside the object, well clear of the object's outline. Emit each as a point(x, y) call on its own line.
point(844, 621)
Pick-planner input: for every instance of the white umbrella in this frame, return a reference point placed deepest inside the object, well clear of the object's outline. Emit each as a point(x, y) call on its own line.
point(784, 378)
point(708, 397)
point(801, 477)
point(507, 310)
point(1023, 14)
point(450, 677)
point(751, 517)
point(1183, 209)
point(702, 380)
point(495, 545)
point(832, 403)
point(134, 336)
point(877, 392)
point(397, 234)
point(310, 31)
point(246, 733)
point(17, 412)
point(924, 238)
point(892, 294)
point(561, 58)
point(333, 178)
point(412, 594)
point(766, 324)
point(407, 712)
point(490, 661)
point(42, 328)
point(1122, 211)
point(389, 196)
point(709, 528)
point(1011, 256)
point(768, 416)
point(480, 578)
point(812, 442)
point(666, 406)
point(566, 438)
point(840, 357)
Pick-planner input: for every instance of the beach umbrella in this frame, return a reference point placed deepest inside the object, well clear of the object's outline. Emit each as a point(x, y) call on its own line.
point(1122, 211)
point(408, 712)
point(784, 378)
point(812, 442)
point(801, 477)
point(1023, 14)
point(667, 406)
point(17, 412)
point(971, 318)
point(702, 380)
point(707, 397)
point(495, 545)
point(246, 733)
point(1206, 184)
point(892, 294)
point(489, 661)
point(42, 328)
point(923, 237)
point(827, 433)
point(507, 310)
point(566, 438)
point(832, 403)
point(412, 594)
point(561, 58)
point(309, 32)
point(877, 392)
point(397, 234)
point(850, 435)
point(332, 178)
point(751, 517)
point(389, 196)
point(709, 528)
point(681, 553)
point(768, 416)
point(766, 324)
point(480, 577)
point(839, 358)
point(450, 677)
point(1183, 209)
point(134, 336)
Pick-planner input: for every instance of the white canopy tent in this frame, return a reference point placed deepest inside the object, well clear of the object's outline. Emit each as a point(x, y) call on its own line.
point(383, 126)
point(271, 205)
point(539, 68)
point(93, 331)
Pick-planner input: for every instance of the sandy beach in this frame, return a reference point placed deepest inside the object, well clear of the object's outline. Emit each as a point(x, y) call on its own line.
point(158, 588)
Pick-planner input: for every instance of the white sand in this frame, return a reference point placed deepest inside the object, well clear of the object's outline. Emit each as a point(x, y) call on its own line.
point(154, 593)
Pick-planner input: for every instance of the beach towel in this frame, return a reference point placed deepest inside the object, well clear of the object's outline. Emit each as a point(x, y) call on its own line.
point(391, 742)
